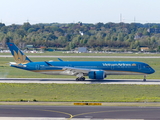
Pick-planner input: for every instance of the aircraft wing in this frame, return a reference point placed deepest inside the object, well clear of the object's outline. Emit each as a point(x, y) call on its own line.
point(73, 70)
point(78, 70)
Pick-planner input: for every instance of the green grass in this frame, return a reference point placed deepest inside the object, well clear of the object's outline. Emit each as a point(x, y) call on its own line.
point(79, 92)
point(9, 72)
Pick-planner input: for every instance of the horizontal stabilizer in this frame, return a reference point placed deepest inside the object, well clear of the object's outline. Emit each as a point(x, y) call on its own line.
point(60, 59)
point(48, 63)
point(12, 63)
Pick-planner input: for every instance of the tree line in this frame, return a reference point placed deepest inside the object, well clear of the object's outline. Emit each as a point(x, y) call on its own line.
point(99, 36)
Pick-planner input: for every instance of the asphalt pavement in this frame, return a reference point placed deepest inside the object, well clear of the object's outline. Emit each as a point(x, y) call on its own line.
point(77, 112)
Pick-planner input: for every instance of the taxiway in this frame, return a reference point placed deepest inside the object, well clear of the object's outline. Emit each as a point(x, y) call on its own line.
point(76, 112)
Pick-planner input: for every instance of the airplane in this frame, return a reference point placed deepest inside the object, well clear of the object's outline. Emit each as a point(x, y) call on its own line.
point(97, 70)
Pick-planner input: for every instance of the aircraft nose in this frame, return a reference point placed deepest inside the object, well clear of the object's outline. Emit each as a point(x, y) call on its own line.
point(152, 70)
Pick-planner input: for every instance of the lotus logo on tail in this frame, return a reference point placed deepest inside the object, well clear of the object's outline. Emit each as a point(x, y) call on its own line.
point(19, 58)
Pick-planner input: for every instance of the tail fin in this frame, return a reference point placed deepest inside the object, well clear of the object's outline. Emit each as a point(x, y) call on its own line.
point(19, 56)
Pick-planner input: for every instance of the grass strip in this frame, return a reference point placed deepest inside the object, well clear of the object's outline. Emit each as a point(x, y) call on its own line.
point(33, 92)
point(138, 104)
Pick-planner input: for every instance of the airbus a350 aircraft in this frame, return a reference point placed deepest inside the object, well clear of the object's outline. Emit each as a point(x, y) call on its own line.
point(93, 69)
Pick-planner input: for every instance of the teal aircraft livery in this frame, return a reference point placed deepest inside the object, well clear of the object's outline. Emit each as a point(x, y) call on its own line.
point(93, 69)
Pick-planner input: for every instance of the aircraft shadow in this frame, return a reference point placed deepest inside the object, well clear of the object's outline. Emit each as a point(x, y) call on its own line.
point(102, 81)
point(122, 80)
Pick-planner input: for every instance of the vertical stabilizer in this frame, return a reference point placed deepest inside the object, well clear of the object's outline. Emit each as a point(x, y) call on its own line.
point(19, 56)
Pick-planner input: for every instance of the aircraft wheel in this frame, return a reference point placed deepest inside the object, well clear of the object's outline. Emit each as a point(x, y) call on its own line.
point(77, 79)
point(83, 78)
point(80, 79)
point(144, 80)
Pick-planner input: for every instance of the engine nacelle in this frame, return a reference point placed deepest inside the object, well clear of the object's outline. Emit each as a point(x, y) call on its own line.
point(96, 75)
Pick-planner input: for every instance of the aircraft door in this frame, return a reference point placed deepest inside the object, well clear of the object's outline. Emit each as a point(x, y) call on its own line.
point(37, 67)
point(112, 67)
point(139, 66)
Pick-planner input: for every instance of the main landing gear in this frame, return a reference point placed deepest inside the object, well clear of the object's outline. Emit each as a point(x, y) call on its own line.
point(144, 79)
point(80, 79)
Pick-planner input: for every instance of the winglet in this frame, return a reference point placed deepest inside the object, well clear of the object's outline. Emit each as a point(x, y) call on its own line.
point(19, 56)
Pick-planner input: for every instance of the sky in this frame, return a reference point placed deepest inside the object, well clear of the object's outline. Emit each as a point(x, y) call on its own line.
point(85, 11)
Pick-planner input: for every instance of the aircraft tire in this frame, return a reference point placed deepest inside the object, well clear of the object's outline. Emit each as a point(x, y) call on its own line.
point(80, 79)
point(77, 79)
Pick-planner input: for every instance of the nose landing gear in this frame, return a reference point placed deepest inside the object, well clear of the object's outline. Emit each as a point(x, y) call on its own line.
point(144, 79)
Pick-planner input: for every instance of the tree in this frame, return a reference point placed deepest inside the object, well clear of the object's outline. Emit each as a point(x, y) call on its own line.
point(158, 48)
point(99, 25)
point(51, 36)
point(112, 35)
point(30, 30)
point(1, 25)
point(71, 45)
point(26, 26)
point(5, 41)
point(21, 33)
point(4, 29)
point(120, 37)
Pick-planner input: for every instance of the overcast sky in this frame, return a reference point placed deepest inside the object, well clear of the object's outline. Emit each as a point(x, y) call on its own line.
point(73, 11)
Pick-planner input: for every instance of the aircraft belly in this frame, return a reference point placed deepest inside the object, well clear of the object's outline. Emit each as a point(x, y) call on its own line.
point(123, 73)
point(50, 73)
point(66, 72)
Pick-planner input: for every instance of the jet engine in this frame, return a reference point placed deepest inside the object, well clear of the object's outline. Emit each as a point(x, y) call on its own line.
point(96, 75)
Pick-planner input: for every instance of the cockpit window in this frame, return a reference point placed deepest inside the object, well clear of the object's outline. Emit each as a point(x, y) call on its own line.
point(147, 66)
